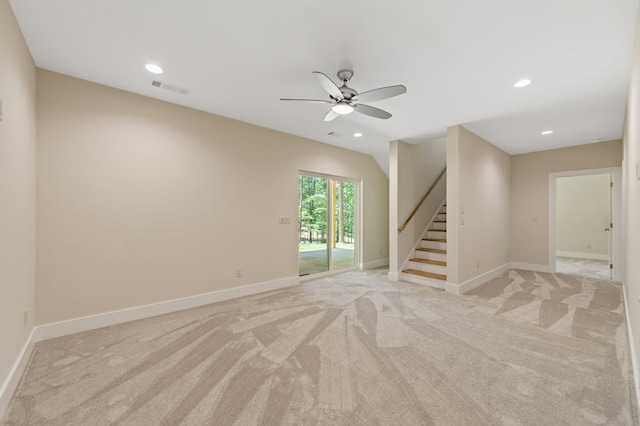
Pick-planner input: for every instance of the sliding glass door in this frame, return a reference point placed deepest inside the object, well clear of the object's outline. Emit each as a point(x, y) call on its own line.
point(327, 223)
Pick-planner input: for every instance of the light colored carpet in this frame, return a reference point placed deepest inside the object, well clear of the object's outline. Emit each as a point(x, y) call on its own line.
point(350, 349)
point(589, 267)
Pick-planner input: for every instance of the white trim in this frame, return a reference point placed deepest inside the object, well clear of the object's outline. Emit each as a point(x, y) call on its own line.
point(376, 264)
point(580, 255)
point(76, 325)
point(394, 276)
point(476, 281)
point(634, 359)
point(531, 267)
point(15, 374)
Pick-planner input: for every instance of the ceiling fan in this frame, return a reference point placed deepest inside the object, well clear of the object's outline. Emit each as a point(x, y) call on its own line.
point(345, 100)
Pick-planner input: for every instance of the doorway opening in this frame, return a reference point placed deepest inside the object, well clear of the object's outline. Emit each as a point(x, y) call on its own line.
point(583, 236)
point(327, 224)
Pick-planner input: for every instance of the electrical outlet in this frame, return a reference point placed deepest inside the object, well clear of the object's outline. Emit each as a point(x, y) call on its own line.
point(588, 245)
point(380, 251)
point(238, 272)
point(477, 264)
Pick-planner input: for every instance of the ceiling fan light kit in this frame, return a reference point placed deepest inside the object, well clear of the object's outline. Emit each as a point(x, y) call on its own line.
point(345, 100)
point(342, 109)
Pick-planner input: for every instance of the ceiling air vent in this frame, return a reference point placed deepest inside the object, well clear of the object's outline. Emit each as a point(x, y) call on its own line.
point(170, 87)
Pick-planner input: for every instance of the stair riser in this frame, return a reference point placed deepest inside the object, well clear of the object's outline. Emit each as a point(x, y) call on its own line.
point(436, 269)
point(439, 225)
point(442, 217)
point(422, 280)
point(440, 235)
point(442, 257)
point(434, 245)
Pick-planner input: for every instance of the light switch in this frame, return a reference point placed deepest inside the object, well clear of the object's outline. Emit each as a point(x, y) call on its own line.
point(285, 220)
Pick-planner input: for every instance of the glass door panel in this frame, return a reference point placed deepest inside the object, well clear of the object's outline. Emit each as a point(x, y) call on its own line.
point(313, 250)
point(343, 214)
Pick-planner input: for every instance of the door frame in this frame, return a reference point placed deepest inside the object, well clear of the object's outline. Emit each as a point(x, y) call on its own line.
point(357, 226)
point(615, 254)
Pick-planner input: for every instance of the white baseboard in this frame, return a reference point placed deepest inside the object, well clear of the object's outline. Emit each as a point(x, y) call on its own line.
point(531, 267)
point(581, 255)
point(393, 276)
point(15, 374)
point(632, 347)
point(77, 325)
point(476, 281)
point(375, 264)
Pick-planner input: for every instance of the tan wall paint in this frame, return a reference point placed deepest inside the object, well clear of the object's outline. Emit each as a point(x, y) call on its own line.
point(582, 207)
point(416, 169)
point(17, 189)
point(478, 192)
point(143, 201)
point(631, 197)
point(530, 193)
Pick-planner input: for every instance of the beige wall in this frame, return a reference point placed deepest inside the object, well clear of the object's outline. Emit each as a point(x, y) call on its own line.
point(530, 193)
point(141, 201)
point(415, 169)
point(582, 215)
point(631, 197)
point(17, 190)
point(478, 201)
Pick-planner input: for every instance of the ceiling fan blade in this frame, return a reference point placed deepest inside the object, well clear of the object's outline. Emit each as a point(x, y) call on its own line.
point(379, 94)
point(315, 101)
point(371, 111)
point(328, 85)
point(331, 115)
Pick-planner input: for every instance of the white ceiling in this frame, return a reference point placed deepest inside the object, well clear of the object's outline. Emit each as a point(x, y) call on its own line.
point(458, 59)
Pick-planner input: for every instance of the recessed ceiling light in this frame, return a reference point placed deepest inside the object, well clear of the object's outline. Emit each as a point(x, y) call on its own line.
point(522, 83)
point(546, 132)
point(357, 135)
point(342, 109)
point(153, 68)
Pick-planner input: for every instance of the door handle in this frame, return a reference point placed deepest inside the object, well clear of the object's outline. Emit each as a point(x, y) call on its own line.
point(606, 229)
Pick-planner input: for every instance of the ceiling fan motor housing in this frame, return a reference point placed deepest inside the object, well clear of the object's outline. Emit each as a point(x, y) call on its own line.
point(347, 92)
point(345, 75)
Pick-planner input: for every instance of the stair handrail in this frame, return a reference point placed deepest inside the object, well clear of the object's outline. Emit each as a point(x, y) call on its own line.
point(415, 210)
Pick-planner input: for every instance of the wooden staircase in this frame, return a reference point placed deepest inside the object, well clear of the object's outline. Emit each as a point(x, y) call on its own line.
point(429, 264)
